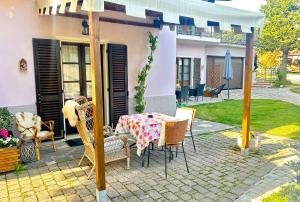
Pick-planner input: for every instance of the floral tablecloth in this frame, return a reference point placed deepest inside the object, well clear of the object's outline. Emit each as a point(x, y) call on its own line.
point(143, 128)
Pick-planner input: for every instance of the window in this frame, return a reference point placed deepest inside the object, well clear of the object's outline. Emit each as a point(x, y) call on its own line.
point(183, 71)
point(76, 68)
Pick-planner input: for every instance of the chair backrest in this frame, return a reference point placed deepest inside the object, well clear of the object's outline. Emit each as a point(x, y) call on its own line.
point(186, 113)
point(200, 89)
point(175, 131)
point(25, 121)
point(86, 123)
point(185, 92)
point(80, 100)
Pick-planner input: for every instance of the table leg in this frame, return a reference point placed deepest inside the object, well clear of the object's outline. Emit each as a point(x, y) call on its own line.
point(143, 157)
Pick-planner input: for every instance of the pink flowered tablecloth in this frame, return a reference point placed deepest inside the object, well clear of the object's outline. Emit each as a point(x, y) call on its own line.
point(143, 128)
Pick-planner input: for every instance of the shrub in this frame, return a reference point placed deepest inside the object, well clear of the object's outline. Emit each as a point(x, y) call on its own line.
point(6, 118)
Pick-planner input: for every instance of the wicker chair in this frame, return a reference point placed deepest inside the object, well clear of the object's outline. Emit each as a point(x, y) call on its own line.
point(115, 147)
point(30, 125)
point(187, 113)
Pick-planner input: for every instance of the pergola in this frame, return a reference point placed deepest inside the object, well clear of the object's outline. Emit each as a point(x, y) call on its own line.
point(164, 12)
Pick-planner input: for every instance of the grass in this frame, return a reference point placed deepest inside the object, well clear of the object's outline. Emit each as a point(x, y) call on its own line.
point(269, 116)
point(285, 194)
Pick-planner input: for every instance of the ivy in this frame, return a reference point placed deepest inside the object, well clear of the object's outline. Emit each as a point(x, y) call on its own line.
point(142, 76)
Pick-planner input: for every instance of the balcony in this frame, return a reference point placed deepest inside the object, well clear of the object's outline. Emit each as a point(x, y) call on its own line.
point(211, 36)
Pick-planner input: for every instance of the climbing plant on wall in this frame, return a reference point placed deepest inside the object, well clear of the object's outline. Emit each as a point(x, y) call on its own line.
point(142, 76)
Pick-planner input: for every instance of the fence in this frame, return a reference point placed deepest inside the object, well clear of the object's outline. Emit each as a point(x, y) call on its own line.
point(267, 74)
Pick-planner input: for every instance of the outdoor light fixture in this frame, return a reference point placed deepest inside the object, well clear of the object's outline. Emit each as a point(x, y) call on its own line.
point(85, 27)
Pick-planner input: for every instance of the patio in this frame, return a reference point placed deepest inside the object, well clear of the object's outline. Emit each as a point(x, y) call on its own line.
point(217, 173)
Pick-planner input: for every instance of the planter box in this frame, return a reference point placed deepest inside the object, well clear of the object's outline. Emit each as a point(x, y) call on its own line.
point(254, 143)
point(8, 158)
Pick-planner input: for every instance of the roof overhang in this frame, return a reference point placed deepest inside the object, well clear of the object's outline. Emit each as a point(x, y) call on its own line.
point(190, 12)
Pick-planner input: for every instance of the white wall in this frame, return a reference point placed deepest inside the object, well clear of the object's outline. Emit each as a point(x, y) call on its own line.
point(193, 50)
point(201, 50)
point(20, 23)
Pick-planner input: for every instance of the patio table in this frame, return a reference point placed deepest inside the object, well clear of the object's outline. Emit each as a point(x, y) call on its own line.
point(142, 127)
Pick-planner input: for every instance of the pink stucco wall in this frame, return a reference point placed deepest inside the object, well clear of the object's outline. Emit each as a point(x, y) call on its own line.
point(20, 23)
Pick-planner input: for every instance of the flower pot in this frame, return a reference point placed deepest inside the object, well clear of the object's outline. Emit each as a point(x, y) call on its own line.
point(8, 158)
point(254, 143)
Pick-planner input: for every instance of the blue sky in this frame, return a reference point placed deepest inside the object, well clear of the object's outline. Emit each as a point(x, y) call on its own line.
point(252, 5)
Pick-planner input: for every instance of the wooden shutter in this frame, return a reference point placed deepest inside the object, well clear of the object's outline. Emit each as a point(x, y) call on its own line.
point(118, 81)
point(197, 71)
point(48, 82)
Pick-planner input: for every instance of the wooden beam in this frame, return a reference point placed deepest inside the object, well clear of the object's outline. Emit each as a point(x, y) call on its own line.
point(247, 93)
point(96, 73)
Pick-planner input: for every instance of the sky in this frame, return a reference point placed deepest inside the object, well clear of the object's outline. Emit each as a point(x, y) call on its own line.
point(252, 5)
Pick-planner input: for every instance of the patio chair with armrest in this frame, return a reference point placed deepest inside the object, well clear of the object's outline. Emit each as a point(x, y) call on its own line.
point(30, 127)
point(174, 134)
point(115, 147)
point(217, 91)
point(199, 91)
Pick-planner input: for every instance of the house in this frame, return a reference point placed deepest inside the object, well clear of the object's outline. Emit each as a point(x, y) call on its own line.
point(201, 53)
point(56, 54)
point(58, 66)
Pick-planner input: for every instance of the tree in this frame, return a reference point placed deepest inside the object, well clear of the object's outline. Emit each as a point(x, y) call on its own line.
point(281, 28)
point(268, 59)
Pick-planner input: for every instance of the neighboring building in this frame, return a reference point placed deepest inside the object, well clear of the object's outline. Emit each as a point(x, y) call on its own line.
point(200, 57)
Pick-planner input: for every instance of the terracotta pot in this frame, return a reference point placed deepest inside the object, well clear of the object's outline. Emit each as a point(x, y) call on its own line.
point(254, 143)
point(8, 158)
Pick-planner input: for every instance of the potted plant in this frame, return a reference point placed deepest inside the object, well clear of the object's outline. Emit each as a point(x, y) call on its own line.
point(9, 151)
point(207, 92)
point(254, 141)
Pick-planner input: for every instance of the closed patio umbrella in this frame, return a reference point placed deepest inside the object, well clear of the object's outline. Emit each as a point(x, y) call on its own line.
point(227, 69)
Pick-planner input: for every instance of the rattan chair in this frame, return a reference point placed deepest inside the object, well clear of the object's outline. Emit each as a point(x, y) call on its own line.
point(174, 136)
point(30, 127)
point(187, 113)
point(115, 147)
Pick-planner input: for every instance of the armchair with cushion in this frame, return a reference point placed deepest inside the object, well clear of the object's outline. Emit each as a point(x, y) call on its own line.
point(115, 147)
point(30, 127)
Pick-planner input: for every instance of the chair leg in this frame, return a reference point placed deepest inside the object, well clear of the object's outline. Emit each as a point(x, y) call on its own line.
point(37, 145)
point(166, 162)
point(91, 172)
point(148, 156)
point(176, 151)
point(79, 164)
point(187, 167)
point(53, 145)
point(193, 139)
point(202, 98)
point(128, 163)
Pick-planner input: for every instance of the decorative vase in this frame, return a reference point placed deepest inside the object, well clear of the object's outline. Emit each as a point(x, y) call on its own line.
point(254, 142)
point(9, 157)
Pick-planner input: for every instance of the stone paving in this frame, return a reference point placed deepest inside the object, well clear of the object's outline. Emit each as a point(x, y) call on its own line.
point(283, 94)
point(217, 173)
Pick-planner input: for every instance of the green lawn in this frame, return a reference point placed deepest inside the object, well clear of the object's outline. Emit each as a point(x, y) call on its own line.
point(270, 116)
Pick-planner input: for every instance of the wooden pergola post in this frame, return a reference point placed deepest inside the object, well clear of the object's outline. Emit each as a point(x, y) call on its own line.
point(247, 94)
point(97, 94)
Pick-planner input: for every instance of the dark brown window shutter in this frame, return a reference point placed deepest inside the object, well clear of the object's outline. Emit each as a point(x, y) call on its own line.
point(48, 82)
point(118, 81)
point(197, 71)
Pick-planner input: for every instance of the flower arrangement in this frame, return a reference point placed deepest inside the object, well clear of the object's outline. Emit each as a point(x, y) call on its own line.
point(7, 140)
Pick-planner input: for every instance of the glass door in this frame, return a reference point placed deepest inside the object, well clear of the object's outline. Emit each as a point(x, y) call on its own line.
point(76, 73)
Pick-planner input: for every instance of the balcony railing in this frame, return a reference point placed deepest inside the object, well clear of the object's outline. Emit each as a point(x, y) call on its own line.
point(225, 37)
